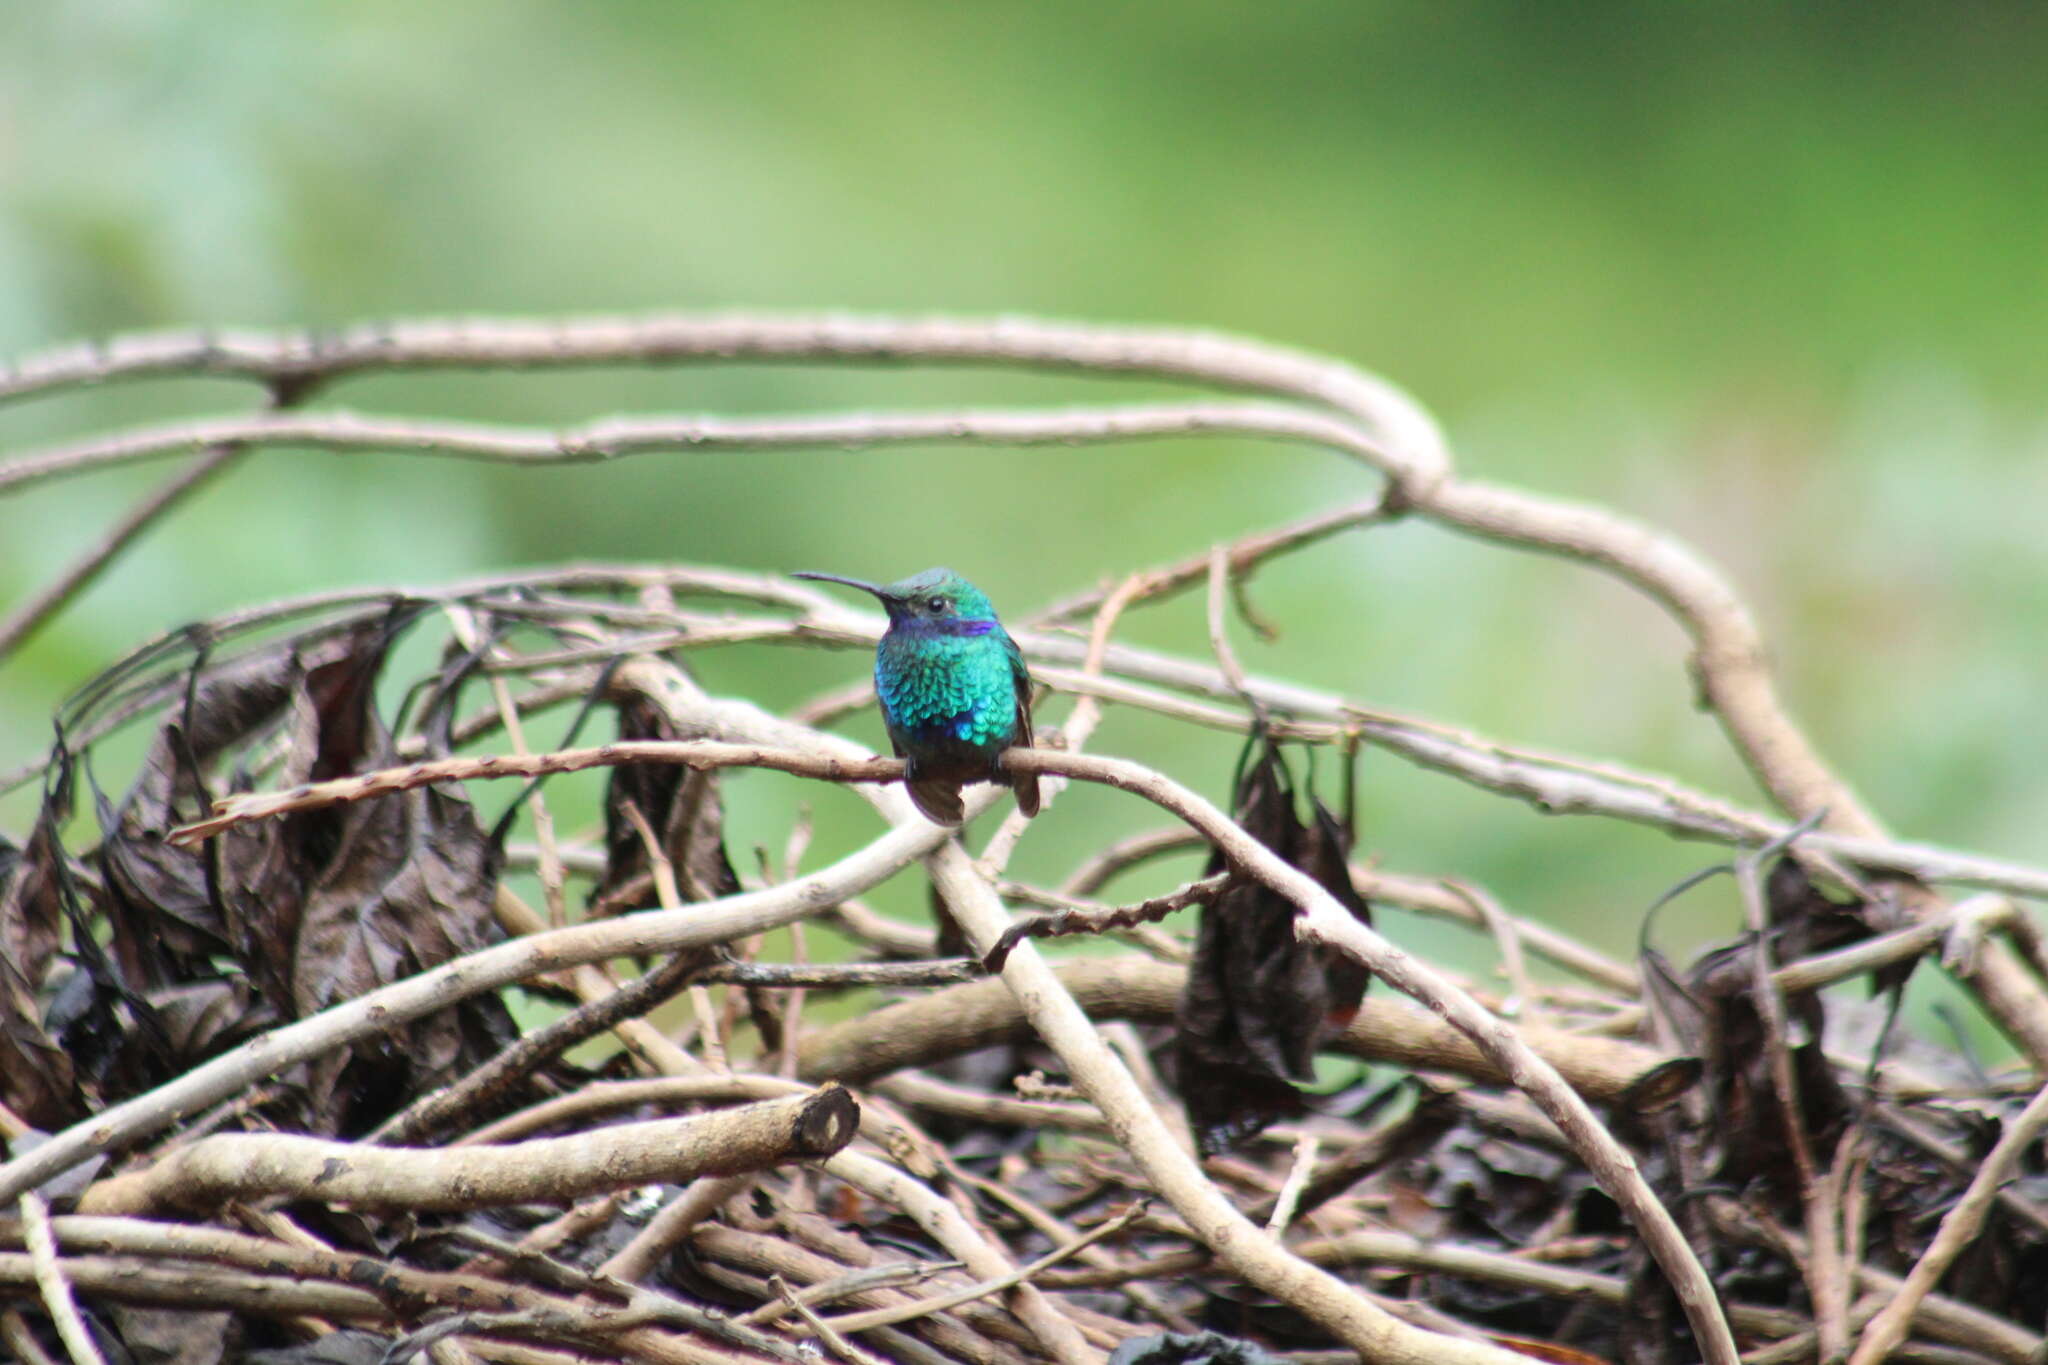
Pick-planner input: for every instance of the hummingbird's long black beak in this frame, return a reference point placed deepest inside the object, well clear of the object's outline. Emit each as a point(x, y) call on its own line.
point(880, 592)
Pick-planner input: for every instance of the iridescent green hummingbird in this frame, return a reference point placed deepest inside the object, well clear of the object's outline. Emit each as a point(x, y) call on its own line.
point(954, 690)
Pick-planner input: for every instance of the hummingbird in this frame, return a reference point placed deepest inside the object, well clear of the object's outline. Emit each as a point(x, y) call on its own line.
point(954, 690)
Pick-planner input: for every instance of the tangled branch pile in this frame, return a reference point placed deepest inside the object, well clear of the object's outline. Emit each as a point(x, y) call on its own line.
point(299, 1068)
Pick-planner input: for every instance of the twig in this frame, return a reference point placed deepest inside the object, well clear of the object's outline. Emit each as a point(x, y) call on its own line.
point(1354, 1319)
point(609, 1097)
point(632, 1262)
point(1243, 555)
point(1435, 896)
point(403, 1289)
point(860, 1281)
point(1551, 782)
point(51, 1284)
point(827, 1332)
point(123, 1279)
point(948, 1227)
point(669, 896)
point(1074, 734)
point(922, 1092)
point(1284, 1204)
point(532, 1051)
point(1106, 1081)
point(1521, 992)
point(590, 982)
point(720, 1251)
point(17, 1336)
point(30, 616)
point(1083, 918)
point(1105, 864)
point(885, 1317)
point(230, 811)
point(1945, 1319)
point(1219, 636)
point(1404, 1252)
point(36, 611)
point(1915, 860)
point(692, 712)
point(841, 975)
point(1824, 969)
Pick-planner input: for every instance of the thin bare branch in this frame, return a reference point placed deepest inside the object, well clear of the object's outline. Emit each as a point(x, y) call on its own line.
point(36, 611)
point(884, 1317)
point(619, 438)
point(52, 1284)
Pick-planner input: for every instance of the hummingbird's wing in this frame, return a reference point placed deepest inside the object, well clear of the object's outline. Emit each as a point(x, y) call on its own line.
point(1025, 785)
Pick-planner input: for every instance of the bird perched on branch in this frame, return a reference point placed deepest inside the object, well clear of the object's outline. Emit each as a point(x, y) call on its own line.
point(954, 690)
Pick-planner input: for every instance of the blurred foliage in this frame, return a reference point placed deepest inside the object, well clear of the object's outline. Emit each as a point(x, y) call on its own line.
point(1770, 276)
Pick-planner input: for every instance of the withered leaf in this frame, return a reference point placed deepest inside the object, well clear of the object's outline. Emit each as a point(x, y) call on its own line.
point(409, 887)
point(1660, 1087)
point(1735, 1050)
point(31, 910)
point(166, 920)
point(382, 889)
point(681, 805)
point(314, 908)
point(37, 1078)
point(1805, 921)
point(1259, 1002)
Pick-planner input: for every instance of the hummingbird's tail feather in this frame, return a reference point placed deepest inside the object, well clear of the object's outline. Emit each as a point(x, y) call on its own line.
point(1026, 787)
point(938, 798)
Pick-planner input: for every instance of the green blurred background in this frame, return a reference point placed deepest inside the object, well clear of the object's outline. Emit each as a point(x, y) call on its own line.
point(1774, 277)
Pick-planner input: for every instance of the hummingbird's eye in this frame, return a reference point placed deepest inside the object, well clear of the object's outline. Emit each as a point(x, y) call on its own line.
point(937, 605)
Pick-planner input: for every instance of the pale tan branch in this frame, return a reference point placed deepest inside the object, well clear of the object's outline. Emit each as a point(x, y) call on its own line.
point(959, 1019)
point(52, 1285)
point(32, 614)
point(227, 1166)
point(128, 1279)
point(619, 438)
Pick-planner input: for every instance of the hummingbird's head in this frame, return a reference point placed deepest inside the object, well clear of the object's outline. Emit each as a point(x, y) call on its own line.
point(938, 597)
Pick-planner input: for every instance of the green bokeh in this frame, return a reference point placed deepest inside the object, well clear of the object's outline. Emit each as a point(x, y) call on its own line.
point(1771, 276)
